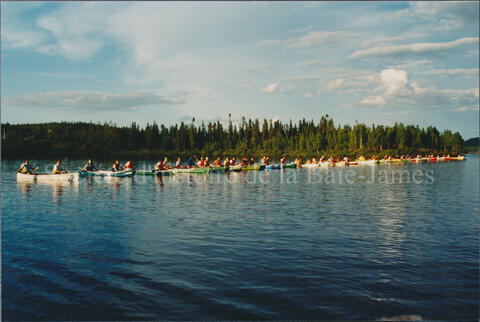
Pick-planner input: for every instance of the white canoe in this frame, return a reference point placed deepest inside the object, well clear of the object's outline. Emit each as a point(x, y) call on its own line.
point(310, 165)
point(126, 173)
point(366, 162)
point(48, 177)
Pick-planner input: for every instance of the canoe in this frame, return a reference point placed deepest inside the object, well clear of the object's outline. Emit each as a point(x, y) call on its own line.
point(48, 177)
point(384, 161)
point(418, 160)
point(153, 172)
point(219, 169)
point(191, 170)
point(459, 158)
point(367, 162)
point(235, 168)
point(310, 165)
point(272, 167)
point(105, 173)
point(289, 166)
point(255, 167)
point(432, 159)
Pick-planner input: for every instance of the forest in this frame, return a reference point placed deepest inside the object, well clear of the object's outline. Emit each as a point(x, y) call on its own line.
point(252, 138)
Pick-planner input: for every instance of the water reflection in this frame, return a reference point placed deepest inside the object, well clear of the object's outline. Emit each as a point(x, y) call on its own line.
point(26, 188)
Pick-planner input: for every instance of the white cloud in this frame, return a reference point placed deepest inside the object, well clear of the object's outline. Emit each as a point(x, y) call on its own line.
point(453, 72)
point(412, 48)
point(463, 11)
point(312, 39)
point(18, 38)
point(466, 109)
point(308, 95)
point(412, 64)
point(374, 101)
point(305, 29)
point(383, 40)
point(394, 81)
point(270, 88)
point(90, 100)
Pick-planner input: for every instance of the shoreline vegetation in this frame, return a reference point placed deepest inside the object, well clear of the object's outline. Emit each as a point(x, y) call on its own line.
point(251, 138)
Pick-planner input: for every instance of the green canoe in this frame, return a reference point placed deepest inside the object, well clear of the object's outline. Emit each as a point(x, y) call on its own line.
point(236, 168)
point(255, 167)
point(290, 165)
point(218, 169)
point(154, 173)
point(192, 170)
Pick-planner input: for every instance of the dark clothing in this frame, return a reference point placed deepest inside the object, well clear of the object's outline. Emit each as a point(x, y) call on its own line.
point(116, 167)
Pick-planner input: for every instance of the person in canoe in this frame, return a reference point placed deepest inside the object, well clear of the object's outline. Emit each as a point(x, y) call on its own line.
point(116, 166)
point(283, 160)
point(206, 162)
point(26, 168)
point(165, 162)
point(178, 164)
point(57, 168)
point(244, 162)
point(201, 163)
point(217, 162)
point(252, 161)
point(128, 166)
point(226, 163)
point(159, 166)
point(232, 161)
point(191, 163)
point(267, 160)
point(89, 166)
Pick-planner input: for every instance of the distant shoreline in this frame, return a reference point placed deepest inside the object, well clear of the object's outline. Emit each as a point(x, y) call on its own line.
point(251, 138)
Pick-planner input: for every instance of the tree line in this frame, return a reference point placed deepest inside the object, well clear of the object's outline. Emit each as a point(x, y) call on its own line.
point(252, 138)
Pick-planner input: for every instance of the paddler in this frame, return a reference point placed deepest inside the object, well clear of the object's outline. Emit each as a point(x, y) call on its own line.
point(178, 164)
point(206, 164)
point(201, 163)
point(191, 163)
point(57, 168)
point(217, 162)
point(252, 161)
point(244, 162)
point(283, 160)
point(232, 161)
point(116, 166)
point(165, 166)
point(226, 163)
point(159, 166)
point(26, 167)
point(89, 166)
point(128, 165)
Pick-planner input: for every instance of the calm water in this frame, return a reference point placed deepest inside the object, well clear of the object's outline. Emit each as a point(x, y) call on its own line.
point(259, 245)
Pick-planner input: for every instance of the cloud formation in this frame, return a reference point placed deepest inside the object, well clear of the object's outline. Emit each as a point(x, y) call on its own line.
point(270, 88)
point(412, 48)
point(453, 72)
point(90, 100)
point(312, 39)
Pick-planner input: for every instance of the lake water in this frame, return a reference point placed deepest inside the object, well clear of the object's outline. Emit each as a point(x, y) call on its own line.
point(290, 244)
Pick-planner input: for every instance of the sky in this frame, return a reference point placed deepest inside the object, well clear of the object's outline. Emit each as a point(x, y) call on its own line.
point(371, 62)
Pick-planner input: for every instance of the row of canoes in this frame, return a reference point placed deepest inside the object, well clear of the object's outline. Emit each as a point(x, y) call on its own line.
point(74, 176)
point(382, 161)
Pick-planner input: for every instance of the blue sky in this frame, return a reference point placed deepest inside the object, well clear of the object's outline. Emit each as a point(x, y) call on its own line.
point(372, 62)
